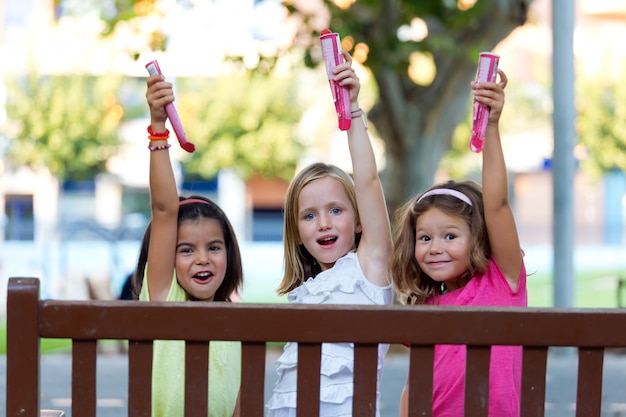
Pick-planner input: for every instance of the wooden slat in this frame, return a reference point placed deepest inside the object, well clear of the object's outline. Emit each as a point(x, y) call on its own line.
point(421, 381)
point(309, 364)
point(23, 377)
point(252, 379)
point(477, 381)
point(140, 378)
point(589, 392)
point(196, 378)
point(534, 366)
point(84, 357)
point(356, 324)
point(365, 376)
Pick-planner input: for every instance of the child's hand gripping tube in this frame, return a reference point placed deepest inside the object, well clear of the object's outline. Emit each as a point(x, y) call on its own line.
point(331, 49)
point(486, 72)
point(153, 69)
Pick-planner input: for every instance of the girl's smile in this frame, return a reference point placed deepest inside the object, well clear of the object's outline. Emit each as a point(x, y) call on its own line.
point(442, 246)
point(201, 257)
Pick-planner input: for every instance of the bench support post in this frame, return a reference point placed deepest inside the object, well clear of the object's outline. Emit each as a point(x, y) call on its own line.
point(23, 347)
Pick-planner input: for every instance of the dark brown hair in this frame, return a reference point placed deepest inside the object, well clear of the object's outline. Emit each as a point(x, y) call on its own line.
point(204, 209)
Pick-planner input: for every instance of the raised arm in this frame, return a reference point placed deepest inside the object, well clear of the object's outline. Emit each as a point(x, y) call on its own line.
point(374, 249)
point(163, 196)
point(499, 218)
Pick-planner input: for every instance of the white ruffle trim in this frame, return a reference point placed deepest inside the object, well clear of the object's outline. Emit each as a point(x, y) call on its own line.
point(336, 358)
point(345, 277)
point(333, 394)
point(342, 284)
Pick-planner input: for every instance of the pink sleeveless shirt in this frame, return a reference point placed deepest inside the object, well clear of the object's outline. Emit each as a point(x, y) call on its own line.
point(490, 289)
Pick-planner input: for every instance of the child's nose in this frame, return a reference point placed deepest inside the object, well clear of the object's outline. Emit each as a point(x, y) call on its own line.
point(435, 246)
point(203, 257)
point(323, 221)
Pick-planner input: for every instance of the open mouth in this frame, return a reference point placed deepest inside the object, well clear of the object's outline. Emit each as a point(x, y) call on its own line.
point(327, 240)
point(203, 277)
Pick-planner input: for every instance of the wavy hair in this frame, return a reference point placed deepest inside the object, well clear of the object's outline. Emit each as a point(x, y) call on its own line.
point(412, 285)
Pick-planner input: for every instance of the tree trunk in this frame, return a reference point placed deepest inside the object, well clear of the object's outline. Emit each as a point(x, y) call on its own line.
point(417, 123)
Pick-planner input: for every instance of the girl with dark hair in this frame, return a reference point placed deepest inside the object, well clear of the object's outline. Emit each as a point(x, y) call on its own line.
point(189, 253)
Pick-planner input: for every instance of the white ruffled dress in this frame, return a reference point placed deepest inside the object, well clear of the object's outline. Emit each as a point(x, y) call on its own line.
point(344, 283)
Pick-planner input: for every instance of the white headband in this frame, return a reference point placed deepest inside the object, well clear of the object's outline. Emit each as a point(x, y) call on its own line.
point(446, 191)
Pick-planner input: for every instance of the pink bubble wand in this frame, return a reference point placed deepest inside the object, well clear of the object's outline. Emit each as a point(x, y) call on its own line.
point(486, 72)
point(153, 69)
point(331, 50)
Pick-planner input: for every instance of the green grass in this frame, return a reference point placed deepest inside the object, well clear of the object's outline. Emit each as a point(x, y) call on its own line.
point(597, 289)
point(47, 345)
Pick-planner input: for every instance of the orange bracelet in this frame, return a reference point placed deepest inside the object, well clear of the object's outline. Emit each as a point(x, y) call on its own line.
point(154, 137)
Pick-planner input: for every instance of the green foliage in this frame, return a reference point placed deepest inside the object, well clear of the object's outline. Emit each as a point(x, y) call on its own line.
point(244, 122)
point(376, 23)
point(527, 108)
point(602, 123)
point(457, 31)
point(67, 124)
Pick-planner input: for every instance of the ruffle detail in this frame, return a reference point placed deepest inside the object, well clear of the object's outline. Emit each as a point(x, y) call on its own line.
point(336, 358)
point(334, 395)
point(344, 283)
point(336, 379)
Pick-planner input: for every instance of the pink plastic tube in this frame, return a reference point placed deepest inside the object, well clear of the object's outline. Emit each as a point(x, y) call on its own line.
point(153, 69)
point(331, 49)
point(486, 72)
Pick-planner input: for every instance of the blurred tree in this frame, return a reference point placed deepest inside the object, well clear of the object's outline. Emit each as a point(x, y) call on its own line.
point(602, 124)
point(67, 124)
point(528, 109)
point(244, 122)
point(422, 55)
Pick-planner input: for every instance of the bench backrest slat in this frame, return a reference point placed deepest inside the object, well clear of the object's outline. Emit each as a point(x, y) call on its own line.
point(365, 370)
point(139, 378)
point(309, 355)
point(534, 367)
point(84, 357)
point(589, 392)
point(476, 385)
point(196, 378)
point(421, 359)
point(252, 378)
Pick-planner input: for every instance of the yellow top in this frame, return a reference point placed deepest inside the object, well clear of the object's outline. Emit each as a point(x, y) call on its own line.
point(168, 370)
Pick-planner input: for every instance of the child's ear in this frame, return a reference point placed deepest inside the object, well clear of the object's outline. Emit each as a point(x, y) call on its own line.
point(358, 228)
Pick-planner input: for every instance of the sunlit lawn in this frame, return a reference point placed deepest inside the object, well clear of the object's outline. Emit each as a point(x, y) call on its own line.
point(596, 289)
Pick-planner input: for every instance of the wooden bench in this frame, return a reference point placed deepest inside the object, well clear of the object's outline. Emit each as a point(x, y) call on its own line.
point(29, 319)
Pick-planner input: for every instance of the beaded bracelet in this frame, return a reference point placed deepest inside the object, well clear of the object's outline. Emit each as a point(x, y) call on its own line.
point(159, 134)
point(159, 147)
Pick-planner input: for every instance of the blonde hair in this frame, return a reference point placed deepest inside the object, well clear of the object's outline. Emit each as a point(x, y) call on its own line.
point(299, 264)
point(412, 285)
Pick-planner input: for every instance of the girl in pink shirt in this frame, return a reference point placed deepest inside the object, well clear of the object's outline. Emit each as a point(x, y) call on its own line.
point(457, 244)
